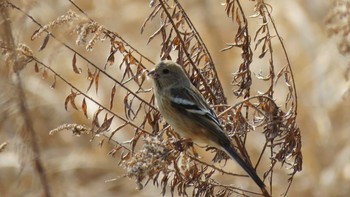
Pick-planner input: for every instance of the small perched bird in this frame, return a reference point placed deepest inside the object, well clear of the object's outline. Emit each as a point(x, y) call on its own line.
point(185, 109)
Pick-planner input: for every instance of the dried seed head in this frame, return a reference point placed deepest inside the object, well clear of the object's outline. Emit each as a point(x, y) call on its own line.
point(155, 157)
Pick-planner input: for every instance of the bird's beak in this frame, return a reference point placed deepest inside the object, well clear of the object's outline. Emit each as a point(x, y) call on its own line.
point(152, 74)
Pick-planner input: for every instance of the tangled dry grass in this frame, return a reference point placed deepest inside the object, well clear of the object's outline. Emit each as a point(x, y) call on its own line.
point(94, 76)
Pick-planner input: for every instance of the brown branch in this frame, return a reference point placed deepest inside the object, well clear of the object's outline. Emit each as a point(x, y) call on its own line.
point(84, 58)
point(287, 59)
point(199, 39)
point(90, 98)
point(214, 167)
point(114, 35)
point(207, 87)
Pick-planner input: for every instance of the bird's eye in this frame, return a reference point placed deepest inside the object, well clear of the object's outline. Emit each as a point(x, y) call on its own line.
point(165, 71)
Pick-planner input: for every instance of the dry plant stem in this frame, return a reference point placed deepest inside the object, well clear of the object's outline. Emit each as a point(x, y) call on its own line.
point(247, 60)
point(244, 43)
point(216, 184)
point(243, 101)
point(214, 167)
point(270, 92)
point(264, 113)
point(33, 141)
point(114, 34)
point(287, 59)
point(84, 58)
point(204, 47)
point(33, 138)
point(238, 189)
point(292, 79)
point(90, 98)
point(183, 45)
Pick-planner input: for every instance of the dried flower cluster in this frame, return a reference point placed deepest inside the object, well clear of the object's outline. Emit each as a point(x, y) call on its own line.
point(61, 20)
point(154, 158)
point(82, 26)
point(76, 129)
point(17, 58)
point(338, 24)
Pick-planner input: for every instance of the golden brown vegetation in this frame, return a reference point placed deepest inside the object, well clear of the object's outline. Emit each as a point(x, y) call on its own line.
point(79, 67)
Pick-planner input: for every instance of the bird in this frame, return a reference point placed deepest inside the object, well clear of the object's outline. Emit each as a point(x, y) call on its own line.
point(187, 112)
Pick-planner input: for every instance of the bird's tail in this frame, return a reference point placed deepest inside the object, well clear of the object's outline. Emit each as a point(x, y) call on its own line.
point(250, 170)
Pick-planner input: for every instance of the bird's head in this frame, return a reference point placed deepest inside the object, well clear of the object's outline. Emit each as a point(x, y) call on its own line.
point(168, 74)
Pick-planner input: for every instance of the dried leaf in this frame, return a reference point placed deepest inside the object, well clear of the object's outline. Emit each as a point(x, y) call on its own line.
point(280, 73)
point(259, 41)
point(155, 34)
point(91, 78)
point(151, 16)
point(263, 53)
point(95, 121)
point(125, 156)
point(35, 34)
point(36, 67)
point(110, 59)
point(84, 108)
point(140, 74)
point(74, 64)
point(66, 102)
point(112, 97)
point(117, 129)
point(126, 106)
point(121, 48)
point(46, 40)
point(128, 72)
point(238, 18)
point(45, 74)
point(131, 58)
point(106, 117)
point(134, 140)
point(164, 184)
point(114, 150)
point(91, 75)
point(230, 7)
point(105, 125)
point(54, 83)
point(97, 80)
point(176, 43)
point(71, 99)
point(260, 30)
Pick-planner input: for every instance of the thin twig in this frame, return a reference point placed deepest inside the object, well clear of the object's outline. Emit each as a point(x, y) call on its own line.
point(185, 51)
point(90, 98)
point(114, 34)
point(200, 41)
point(287, 59)
point(84, 58)
point(214, 167)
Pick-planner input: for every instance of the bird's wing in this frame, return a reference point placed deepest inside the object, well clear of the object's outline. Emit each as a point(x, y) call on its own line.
point(191, 103)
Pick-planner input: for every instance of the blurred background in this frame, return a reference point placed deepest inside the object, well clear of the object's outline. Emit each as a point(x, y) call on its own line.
point(78, 167)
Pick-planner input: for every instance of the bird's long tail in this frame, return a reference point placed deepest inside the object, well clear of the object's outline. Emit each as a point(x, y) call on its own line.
point(250, 170)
